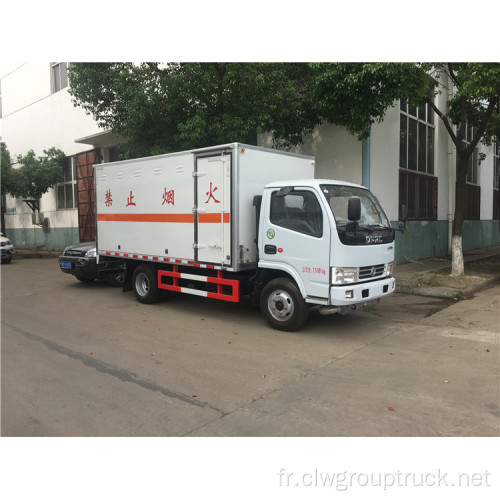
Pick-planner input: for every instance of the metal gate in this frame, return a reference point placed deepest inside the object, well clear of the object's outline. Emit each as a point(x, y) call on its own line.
point(86, 193)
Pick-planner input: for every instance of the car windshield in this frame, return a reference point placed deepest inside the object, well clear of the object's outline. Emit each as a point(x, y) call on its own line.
point(372, 215)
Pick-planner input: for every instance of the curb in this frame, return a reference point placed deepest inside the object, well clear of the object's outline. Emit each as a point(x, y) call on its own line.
point(412, 288)
point(35, 255)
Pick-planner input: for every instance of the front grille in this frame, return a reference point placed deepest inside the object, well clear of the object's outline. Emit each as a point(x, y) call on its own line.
point(370, 272)
point(76, 253)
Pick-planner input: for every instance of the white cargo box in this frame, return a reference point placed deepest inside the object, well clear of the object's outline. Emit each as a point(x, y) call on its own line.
point(193, 207)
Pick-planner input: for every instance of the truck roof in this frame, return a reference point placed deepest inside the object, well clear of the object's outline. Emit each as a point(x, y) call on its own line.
point(210, 149)
point(310, 183)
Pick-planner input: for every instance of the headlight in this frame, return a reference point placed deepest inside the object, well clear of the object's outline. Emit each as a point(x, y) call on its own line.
point(390, 269)
point(91, 253)
point(343, 275)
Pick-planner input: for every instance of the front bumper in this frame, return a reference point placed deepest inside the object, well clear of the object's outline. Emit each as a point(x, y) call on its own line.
point(6, 252)
point(357, 294)
point(81, 265)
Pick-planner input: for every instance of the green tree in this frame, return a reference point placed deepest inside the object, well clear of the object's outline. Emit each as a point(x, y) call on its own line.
point(7, 172)
point(172, 107)
point(36, 175)
point(7, 180)
point(357, 95)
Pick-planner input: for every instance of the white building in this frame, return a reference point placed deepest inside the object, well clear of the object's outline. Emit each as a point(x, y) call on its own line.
point(36, 113)
point(409, 159)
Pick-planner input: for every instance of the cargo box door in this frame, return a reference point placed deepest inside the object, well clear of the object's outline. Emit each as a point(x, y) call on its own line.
point(213, 202)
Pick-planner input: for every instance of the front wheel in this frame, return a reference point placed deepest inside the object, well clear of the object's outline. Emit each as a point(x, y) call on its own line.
point(83, 278)
point(145, 284)
point(282, 305)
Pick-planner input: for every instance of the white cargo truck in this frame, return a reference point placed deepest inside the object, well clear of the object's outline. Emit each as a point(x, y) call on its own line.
point(235, 220)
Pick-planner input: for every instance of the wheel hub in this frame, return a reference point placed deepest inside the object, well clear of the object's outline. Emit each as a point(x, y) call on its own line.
point(142, 284)
point(280, 305)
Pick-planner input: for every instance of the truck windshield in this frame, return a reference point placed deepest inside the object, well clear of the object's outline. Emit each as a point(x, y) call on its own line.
point(372, 215)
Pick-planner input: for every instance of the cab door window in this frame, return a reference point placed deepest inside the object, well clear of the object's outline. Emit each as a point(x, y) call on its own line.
point(299, 211)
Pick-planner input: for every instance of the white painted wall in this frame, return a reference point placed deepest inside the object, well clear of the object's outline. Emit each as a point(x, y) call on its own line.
point(384, 162)
point(33, 118)
point(337, 153)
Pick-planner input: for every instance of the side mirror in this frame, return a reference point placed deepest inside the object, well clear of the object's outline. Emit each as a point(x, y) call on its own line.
point(354, 209)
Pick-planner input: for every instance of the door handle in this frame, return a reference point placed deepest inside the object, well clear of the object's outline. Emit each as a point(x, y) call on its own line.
point(270, 249)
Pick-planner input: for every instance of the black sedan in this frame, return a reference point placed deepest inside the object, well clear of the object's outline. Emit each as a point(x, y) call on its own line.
point(81, 261)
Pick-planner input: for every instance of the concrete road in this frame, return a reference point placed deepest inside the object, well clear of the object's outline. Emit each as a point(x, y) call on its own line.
point(89, 360)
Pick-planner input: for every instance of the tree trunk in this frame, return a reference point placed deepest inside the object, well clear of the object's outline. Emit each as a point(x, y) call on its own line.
point(457, 256)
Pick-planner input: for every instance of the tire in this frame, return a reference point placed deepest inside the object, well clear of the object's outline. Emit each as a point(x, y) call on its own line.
point(84, 279)
point(144, 283)
point(7, 260)
point(282, 305)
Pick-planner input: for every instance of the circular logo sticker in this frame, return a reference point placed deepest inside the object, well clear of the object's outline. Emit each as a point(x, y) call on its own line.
point(270, 233)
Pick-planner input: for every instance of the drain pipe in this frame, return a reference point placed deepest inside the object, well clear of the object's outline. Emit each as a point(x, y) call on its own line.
point(365, 162)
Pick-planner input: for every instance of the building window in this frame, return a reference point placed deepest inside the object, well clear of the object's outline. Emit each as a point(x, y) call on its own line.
point(496, 181)
point(472, 190)
point(58, 76)
point(67, 194)
point(417, 183)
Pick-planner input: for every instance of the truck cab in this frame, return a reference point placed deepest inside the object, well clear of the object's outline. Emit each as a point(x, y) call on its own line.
point(329, 244)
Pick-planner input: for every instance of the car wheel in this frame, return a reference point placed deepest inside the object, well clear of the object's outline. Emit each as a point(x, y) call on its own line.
point(145, 284)
point(84, 279)
point(282, 305)
point(7, 260)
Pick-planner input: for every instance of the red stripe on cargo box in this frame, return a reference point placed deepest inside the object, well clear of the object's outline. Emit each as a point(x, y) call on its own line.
point(146, 218)
point(210, 218)
point(214, 218)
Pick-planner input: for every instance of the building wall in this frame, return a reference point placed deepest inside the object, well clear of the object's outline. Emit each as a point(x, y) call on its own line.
point(339, 156)
point(34, 118)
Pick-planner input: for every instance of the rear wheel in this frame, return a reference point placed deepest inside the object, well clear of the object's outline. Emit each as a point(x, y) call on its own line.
point(145, 284)
point(283, 306)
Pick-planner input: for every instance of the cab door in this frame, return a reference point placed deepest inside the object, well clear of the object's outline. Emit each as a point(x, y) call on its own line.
point(296, 237)
point(212, 210)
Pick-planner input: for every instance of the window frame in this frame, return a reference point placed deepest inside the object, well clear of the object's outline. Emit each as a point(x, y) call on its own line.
point(417, 179)
point(422, 120)
point(279, 221)
point(62, 187)
point(473, 187)
point(58, 76)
